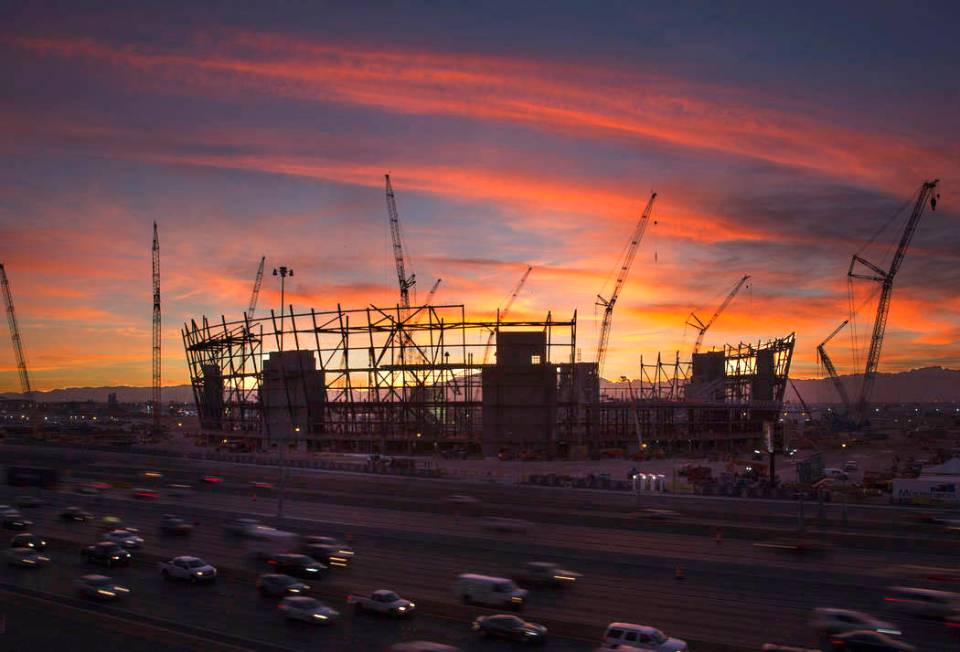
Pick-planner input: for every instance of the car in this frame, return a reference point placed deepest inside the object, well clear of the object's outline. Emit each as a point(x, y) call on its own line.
point(867, 641)
point(211, 480)
point(174, 525)
point(493, 591)
point(545, 573)
point(382, 601)
point(510, 627)
point(28, 540)
point(327, 550)
point(643, 637)
point(506, 525)
point(656, 514)
point(776, 647)
point(794, 545)
point(178, 490)
point(838, 621)
point(259, 484)
point(922, 602)
point(88, 489)
point(29, 501)
point(13, 520)
point(185, 567)
point(422, 646)
point(276, 584)
point(75, 514)
point(239, 526)
point(142, 493)
point(108, 553)
point(100, 587)
point(124, 537)
point(308, 610)
point(297, 565)
point(26, 557)
point(461, 499)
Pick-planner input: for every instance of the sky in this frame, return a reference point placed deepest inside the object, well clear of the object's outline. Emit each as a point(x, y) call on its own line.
point(779, 139)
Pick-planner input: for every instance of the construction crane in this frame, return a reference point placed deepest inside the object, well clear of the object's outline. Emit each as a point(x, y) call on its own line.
point(156, 331)
point(15, 337)
point(256, 289)
point(502, 314)
point(433, 291)
point(885, 279)
point(399, 258)
point(824, 359)
point(625, 264)
point(803, 404)
point(695, 322)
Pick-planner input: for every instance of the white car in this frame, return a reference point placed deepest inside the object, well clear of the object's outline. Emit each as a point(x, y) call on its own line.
point(124, 537)
point(26, 557)
point(308, 610)
point(628, 636)
point(840, 621)
point(382, 602)
point(192, 569)
point(101, 587)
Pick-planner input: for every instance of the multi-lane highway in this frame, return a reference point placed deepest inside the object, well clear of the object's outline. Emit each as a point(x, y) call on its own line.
point(733, 594)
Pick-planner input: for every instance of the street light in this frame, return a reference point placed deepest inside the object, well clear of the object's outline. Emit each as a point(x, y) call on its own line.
point(283, 272)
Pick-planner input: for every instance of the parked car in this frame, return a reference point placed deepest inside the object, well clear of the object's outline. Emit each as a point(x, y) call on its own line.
point(510, 627)
point(838, 621)
point(101, 587)
point(108, 553)
point(868, 641)
point(28, 540)
point(384, 602)
point(26, 557)
point(274, 584)
point(644, 637)
point(75, 514)
point(308, 610)
point(191, 569)
point(544, 573)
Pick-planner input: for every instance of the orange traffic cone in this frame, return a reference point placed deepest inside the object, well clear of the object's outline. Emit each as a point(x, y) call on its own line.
point(679, 574)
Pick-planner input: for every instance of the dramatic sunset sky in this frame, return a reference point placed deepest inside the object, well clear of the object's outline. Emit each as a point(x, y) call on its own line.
point(779, 139)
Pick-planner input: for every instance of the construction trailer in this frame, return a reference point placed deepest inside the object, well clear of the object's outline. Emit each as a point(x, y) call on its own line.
point(412, 380)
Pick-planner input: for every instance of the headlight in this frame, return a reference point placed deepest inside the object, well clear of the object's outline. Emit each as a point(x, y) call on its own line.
point(412, 605)
point(319, 616)
point(401, 608)
point(114, 557)
point(292, 590)
point(311, 570)
point(109, 594)
point(199, 573)
point(120, 589)
point(516, 598)
point(887, 630)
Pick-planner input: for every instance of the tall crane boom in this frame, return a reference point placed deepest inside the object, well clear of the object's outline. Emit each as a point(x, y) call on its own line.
point(399, 258)
point(15, 336)
point(885, 278)
point(256, 289)
point(433, 291)
point(831, 370)
point(694, 321)
point(156, 331)
point(608, 304)
point(502, 314)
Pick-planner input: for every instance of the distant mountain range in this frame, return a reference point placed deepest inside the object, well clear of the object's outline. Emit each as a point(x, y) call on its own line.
point(927, 385)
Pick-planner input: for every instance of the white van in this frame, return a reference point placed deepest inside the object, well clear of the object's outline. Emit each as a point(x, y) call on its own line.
point(263, 541)
point(640, 637)
point(494, 591)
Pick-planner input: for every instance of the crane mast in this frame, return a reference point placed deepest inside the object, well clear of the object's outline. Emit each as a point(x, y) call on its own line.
point(15, 336)
point(502, 314)
point(831, 370)
point(694, 321)
point(256, 289)
point(156, 332)
point(608, 304)
point(885, 278)
point(399, 257)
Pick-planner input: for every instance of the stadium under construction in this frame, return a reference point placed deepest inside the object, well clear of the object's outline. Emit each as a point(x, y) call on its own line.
point(417, 379)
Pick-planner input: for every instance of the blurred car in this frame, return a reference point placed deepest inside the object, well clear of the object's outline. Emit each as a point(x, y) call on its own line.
point(510, 627)
point(143, 493)
point(88, 488)
point(276, 584)
point(422, 646)
point(174, 525)
point(850, 465)
point(309, 610)
point(795, 545)
point(922, 602)
point(838, 621)
point(125, 538)
point(108, 553)
point(494, 591)
point(382, 601)
point(776, 647)
point(185, 567)
point(506, 525)
point(13, 520)
point(177, 490)
point(327, 550)
point(29, 501)
point(628, 635)
point(259, 484)
point(656, 514)
point(297, 565)
point(211, 479)
point(28, 540)
point(75, 514)
point(26, 557)
point(100, 587)
point(545, 573)
point(239, 526)
point(868, 641)
point(461, 499)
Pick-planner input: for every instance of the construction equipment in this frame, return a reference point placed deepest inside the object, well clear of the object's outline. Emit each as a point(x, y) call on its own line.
point(824, 359)
point(695, 322)
point(256, 289)
point(885, 279)
point(502, 314)
point(803, 404)
point(156, 332)
point(433, 291)
point(15, 336)
point(399, 257)
point(625, 264)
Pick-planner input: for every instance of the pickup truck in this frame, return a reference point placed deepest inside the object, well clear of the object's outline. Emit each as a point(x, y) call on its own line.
point(382, 602)
point(192, 569)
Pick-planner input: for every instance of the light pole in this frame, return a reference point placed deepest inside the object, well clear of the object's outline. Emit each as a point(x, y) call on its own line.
point(283, 272)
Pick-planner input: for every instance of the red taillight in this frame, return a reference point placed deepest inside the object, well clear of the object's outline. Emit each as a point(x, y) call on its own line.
point(272, 562)
point(836, 642)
